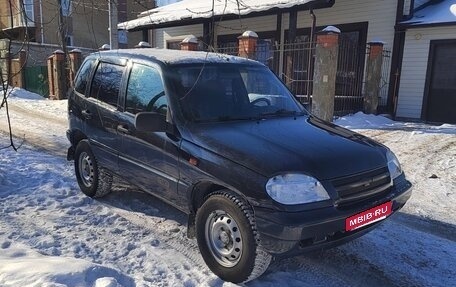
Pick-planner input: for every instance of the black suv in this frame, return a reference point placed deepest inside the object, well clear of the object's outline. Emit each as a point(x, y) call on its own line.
point(222, 139)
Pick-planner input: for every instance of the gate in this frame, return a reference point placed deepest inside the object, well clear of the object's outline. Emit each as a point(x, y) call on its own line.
point(36, 80)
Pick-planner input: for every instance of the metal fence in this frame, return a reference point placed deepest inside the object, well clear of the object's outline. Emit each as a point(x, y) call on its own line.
point(290, 62)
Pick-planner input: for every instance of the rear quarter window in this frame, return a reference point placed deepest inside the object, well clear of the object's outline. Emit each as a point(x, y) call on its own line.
point(80, 83)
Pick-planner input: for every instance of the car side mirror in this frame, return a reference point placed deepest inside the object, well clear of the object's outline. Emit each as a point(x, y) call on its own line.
point(150, 122)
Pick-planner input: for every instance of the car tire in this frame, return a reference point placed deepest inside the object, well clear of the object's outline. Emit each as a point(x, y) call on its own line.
point(92, 179)
point(228, 239)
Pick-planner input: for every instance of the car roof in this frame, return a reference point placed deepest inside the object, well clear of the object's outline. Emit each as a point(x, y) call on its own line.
point(176, 57)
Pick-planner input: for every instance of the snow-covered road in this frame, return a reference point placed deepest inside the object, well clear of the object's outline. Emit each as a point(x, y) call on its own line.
point(52, 235)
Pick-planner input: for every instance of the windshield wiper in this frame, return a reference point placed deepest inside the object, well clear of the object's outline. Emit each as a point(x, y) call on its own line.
point(282, 112)
point(223, 119)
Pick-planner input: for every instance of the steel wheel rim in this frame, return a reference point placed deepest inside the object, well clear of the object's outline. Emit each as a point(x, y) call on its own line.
point(223, 238)
point(86, 170)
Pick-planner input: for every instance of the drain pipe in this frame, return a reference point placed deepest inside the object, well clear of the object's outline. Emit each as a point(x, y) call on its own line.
point(41, 22)
point(311, 51)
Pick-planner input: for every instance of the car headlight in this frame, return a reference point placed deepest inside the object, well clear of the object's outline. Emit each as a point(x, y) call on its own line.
point(295, 189)
point(394, 166)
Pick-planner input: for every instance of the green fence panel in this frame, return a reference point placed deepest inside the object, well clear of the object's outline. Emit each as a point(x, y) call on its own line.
point(36, 80)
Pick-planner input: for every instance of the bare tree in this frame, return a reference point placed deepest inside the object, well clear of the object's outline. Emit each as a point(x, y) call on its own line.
point(6, 73)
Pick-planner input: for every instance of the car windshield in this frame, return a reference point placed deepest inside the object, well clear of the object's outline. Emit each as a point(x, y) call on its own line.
point(232, 92)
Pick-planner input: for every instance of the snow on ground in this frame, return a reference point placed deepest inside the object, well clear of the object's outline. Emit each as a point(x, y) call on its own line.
point(52, 235)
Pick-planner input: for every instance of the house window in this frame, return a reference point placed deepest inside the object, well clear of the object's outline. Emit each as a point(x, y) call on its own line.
point(69, 40)
point(28, 8)
point(66, 7)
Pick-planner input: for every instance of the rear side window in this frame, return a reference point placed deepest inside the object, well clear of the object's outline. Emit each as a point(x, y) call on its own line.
point(106, 83)
point(80, 84)
point(145, 91)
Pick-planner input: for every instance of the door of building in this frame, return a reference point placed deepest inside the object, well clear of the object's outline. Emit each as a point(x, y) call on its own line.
point(440, 99)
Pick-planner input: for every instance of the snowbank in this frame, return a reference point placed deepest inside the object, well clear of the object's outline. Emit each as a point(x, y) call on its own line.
point(21, 266)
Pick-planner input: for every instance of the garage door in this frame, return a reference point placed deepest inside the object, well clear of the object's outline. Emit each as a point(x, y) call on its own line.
point(440, 103)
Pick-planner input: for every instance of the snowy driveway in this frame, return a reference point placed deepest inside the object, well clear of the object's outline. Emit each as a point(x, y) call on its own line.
point(51, 234)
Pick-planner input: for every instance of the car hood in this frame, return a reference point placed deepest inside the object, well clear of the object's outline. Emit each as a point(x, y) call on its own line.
point(302, 144)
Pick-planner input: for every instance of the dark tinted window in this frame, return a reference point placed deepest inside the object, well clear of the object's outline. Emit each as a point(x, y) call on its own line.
point(81, 81)
point(145, 92)
point(232, 92)
point(106, 83)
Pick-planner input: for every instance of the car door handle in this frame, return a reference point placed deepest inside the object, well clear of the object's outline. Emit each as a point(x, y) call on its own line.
point(122, 129)
point(86, 114)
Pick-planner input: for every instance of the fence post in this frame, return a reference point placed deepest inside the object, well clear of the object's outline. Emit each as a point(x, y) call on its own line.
point(324, 80)
point(247, 44)
point(189, 44)
point(59, 75)
point(50, 69)
point(17, 70)
point(373, 77)
point(4, 59)
point(75, 62)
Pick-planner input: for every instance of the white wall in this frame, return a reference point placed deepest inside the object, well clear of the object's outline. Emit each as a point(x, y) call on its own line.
point(257, 24)
point(381, 15)
point(414, 68)
point(176, 34)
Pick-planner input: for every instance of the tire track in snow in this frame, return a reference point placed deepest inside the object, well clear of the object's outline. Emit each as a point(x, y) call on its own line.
point(28, 125)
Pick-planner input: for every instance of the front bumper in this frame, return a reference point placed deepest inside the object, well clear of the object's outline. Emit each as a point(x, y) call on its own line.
point(285, 234)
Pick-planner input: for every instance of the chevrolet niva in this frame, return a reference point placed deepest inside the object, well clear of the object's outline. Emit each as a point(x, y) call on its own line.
point(222, 139)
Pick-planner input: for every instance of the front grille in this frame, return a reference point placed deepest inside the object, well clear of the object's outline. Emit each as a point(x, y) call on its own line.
point(363, 186)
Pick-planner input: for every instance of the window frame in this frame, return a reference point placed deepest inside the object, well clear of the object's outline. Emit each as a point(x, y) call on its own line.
point(92, 63)
point(29, 11)
point(123, 100)
point(121, 85)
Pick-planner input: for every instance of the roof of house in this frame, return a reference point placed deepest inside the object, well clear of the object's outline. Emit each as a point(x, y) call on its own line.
point(199, 10)
point(434, 13)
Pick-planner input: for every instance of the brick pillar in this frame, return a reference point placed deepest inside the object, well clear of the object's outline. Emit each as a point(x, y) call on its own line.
point(75, 57)
point(17, 70)
point(51, 81)
point(189, 44)
point(373, 77)
point(59, 75)
point(324, 80)
point(247, 44)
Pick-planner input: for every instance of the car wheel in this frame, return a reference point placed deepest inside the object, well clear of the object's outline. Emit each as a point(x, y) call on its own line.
point(228, 239)
point(92, 180)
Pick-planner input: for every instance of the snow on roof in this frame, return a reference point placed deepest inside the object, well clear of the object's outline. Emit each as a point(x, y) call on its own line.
point(175, 57)
point(331, 29)
point(190, 39)
point(250, 34)
point(435, 13)
point(197, 9)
